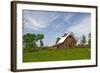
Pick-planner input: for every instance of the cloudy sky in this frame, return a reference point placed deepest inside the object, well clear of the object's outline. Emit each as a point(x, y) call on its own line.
point(55, 24)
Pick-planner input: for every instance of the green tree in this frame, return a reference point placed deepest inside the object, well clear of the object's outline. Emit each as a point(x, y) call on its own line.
point(40, 37)
point(89, 41)
point(29, 41)
point(83, 39)
point(58, 38)
point(29, 38)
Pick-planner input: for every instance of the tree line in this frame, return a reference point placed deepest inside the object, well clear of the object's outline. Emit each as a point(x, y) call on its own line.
point(29, 40)
point(83, 39)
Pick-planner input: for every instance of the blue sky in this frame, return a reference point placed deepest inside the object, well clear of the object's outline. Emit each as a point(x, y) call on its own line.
point(54, 24)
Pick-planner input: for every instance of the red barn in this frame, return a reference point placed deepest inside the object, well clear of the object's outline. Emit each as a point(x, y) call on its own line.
point(67, 41)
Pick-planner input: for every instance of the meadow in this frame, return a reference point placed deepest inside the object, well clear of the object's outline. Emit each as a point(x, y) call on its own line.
point(57, 55)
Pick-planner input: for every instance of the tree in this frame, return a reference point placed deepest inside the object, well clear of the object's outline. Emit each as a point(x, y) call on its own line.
point(83, 39)
point(58, 38)
point(29, 38)
point(89, 41)
point(40, 37)
point(29, 41)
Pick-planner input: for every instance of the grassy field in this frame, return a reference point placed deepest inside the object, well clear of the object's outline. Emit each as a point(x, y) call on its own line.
point(57, 55)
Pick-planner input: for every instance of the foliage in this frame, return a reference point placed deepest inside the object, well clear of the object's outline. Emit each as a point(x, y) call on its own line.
point(41, 43)
point(89, 41)
point(40, 37)
point(58, 38)
point(29, 38)
point(83, 40)
point(29, 41)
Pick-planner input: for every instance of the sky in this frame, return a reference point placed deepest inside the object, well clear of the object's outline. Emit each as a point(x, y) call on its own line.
point(54, 24)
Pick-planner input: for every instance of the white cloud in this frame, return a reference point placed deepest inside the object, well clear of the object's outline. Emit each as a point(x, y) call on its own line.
point(54, 17)
point(31, 23)
point(68, 17)
point(82, 28)
point(37, 22)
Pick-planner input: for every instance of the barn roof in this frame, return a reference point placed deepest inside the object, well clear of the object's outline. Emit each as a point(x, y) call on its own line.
point(62, 39)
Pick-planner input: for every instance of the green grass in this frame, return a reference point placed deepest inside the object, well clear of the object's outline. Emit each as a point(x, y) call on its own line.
point(57, 55)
